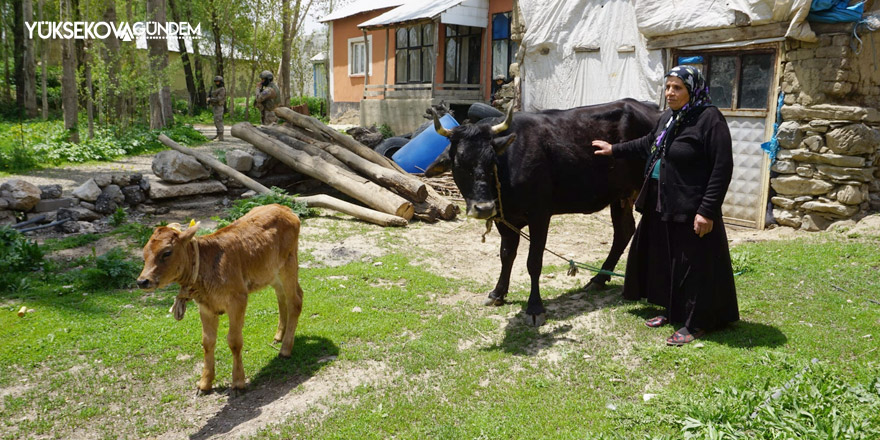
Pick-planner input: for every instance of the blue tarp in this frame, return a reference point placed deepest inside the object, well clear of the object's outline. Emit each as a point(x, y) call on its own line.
point(835, 11)
point(771, 147)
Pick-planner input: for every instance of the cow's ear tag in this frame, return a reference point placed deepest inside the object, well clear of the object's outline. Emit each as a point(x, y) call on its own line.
point(500, 144)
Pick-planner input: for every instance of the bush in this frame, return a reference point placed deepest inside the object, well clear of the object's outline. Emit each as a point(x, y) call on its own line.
point(18, 256)
point(111, 270)
point(241, 207)
point(317, 106)
point(386, 131)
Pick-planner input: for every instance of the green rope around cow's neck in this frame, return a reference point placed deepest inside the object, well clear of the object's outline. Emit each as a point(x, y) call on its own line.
point(572, 265)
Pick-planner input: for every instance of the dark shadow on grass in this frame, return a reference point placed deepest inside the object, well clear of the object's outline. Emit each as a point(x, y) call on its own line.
point(741, 334)
point(274, 381)
point(520, 338)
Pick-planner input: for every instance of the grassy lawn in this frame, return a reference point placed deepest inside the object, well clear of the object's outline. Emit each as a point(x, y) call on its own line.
point(113, 363)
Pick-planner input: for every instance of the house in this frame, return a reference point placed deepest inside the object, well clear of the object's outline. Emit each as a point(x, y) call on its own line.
point(390, 60)
point(580, 52)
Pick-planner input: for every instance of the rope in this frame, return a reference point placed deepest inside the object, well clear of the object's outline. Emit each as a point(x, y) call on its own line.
point(572, 265)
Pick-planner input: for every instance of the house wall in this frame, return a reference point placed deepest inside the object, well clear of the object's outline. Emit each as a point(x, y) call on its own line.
point(828, 161)
point(347, 89)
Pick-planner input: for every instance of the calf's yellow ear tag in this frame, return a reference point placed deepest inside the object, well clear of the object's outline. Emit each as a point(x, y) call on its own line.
point(192, 222)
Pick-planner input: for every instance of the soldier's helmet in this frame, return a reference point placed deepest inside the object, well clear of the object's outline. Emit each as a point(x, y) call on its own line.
point(218, 78)
point(266, 75)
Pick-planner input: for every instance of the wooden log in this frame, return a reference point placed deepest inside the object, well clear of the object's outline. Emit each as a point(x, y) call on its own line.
point(412, 189)
point(307, 148)
point(317, 201)
point(348, 142)
point(361, 189)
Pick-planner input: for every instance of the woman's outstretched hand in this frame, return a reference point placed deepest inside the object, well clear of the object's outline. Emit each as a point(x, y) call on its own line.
point(602, 148)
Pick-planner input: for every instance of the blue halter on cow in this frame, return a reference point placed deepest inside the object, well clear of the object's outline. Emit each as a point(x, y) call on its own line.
point(531, 166)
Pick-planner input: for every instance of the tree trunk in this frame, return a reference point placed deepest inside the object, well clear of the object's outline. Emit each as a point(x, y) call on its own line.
point(310, 123)
point(215, 29)
point(44, 54)
point(318, 201)
point(18, 45)
point(365, 191)
point(68, 78)
point(230, 95)
point(30, 71)
point(90, 104)
point(284, 71)
point(248, 93)
point(160, 99)
point(184, 58)
point(412, 189)
point(201, 102)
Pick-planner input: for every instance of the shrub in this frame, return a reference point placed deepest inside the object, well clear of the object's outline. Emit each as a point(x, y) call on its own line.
point(18, 256)
point(241, 207)
point(118, 217)
point(111, 270)
point(386, 131)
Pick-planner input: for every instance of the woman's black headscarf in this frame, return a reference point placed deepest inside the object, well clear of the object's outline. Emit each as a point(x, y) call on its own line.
point(699, 98)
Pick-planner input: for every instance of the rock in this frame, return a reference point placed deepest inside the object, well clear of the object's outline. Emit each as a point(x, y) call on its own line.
point(144, 183)
point(830, 112)
point(103, 180)
point(105, 204)
point(87, 205)
point(853, 139)
point(248, 194)
point(850, 195)
point(134, 194)
point(114, 192)
point(50, 191)
point(263, 163)
point(172, 166)
point(784, 167)
point(789, 135)
point(804, 171)
point(81, 227)
point(20, 195)
point(121, 180)
point(813, 143)
point(842, 225)
point(782, 202)
point(820, 125)
point(796, 185)
point(162, 190)
point(88, 191)
point(874, 200)
point(814, 222)
point(48, 217)
point(834, 209)
point(802, 199)
point(786, 217)
point(3, 203)
point(135, 178)
point(846, 173)
point(7, 217)
point(829, 158)
point(54, 204)
point(239, 160)
point(77, 213)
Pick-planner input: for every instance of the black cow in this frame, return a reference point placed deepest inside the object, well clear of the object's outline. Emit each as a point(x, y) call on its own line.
point(544, 164)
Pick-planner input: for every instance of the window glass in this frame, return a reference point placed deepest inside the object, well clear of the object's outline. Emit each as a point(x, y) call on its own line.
point(357, 58)
point(415, 62)
point(428, 34)
point(499, 58)
point(451, 69)
point(754, 84)
point(500, 26)
point(722, 72)
point(451, 30)
point(401, 38)
point(414, 37)
point(400, 66)
point(427, 64)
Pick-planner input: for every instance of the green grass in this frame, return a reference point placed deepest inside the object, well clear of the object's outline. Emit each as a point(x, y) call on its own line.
point(114, 363)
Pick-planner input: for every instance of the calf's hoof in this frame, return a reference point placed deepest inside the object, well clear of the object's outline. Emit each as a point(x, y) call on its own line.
point(536, 320)
point(200, 392)
point(236, 392)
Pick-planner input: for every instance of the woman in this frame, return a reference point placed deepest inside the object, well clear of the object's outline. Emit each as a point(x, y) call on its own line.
point(679, 257)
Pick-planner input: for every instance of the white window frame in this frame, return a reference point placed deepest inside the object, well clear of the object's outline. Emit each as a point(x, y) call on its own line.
point(356, 42)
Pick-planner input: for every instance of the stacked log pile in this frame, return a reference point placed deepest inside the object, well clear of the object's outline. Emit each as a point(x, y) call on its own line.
point(389, 196)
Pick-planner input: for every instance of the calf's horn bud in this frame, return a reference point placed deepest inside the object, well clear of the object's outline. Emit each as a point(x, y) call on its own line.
point(506, 123)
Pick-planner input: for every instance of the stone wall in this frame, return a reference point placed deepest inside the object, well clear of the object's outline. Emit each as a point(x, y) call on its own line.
point(827, 167)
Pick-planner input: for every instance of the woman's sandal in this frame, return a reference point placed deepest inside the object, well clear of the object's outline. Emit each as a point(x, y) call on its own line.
point(657, 321)
point(684, 336)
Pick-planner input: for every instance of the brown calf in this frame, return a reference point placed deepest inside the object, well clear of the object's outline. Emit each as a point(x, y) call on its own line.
point(219, 270)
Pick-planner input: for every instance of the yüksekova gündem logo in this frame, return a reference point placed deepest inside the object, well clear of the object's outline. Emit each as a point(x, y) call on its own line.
point(101, 30)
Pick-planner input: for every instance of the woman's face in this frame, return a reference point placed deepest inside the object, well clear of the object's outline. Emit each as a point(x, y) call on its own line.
point(676, 93)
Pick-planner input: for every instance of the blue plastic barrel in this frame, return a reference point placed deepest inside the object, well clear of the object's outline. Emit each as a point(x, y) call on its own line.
point(417, 154)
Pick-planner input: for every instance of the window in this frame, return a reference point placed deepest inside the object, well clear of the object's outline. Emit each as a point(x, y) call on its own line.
point(415, 54)
point(462, 54)
point(358, 55)
point(737, 81)
point(503, 49)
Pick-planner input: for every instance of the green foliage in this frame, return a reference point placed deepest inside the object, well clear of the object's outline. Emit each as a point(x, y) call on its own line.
point(386, 131)
point(317, 106)
point(18, 255)
point(742, 260)
point(118, 217)
point(241, 207)
point(34, 143)
point(137, 232)
point(111, 270)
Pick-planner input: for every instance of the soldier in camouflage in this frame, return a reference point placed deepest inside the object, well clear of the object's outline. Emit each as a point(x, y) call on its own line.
point(268, 98)
point(217, 101)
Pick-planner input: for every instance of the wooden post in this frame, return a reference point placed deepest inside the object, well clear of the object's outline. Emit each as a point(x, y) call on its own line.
point(367, 62)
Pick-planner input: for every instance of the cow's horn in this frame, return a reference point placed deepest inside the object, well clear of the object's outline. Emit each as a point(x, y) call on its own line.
point(506, 124)
point(439, 128)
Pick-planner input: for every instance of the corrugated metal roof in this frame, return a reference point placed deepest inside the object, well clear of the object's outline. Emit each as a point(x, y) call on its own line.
point(361, 6)
point(413, 10)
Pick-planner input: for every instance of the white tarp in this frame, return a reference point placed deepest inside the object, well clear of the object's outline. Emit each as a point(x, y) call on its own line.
point(667, 17)
point(582, 52)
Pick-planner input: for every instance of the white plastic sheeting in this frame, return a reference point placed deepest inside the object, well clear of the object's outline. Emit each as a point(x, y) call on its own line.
point(667, 17)
point(582, 52)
